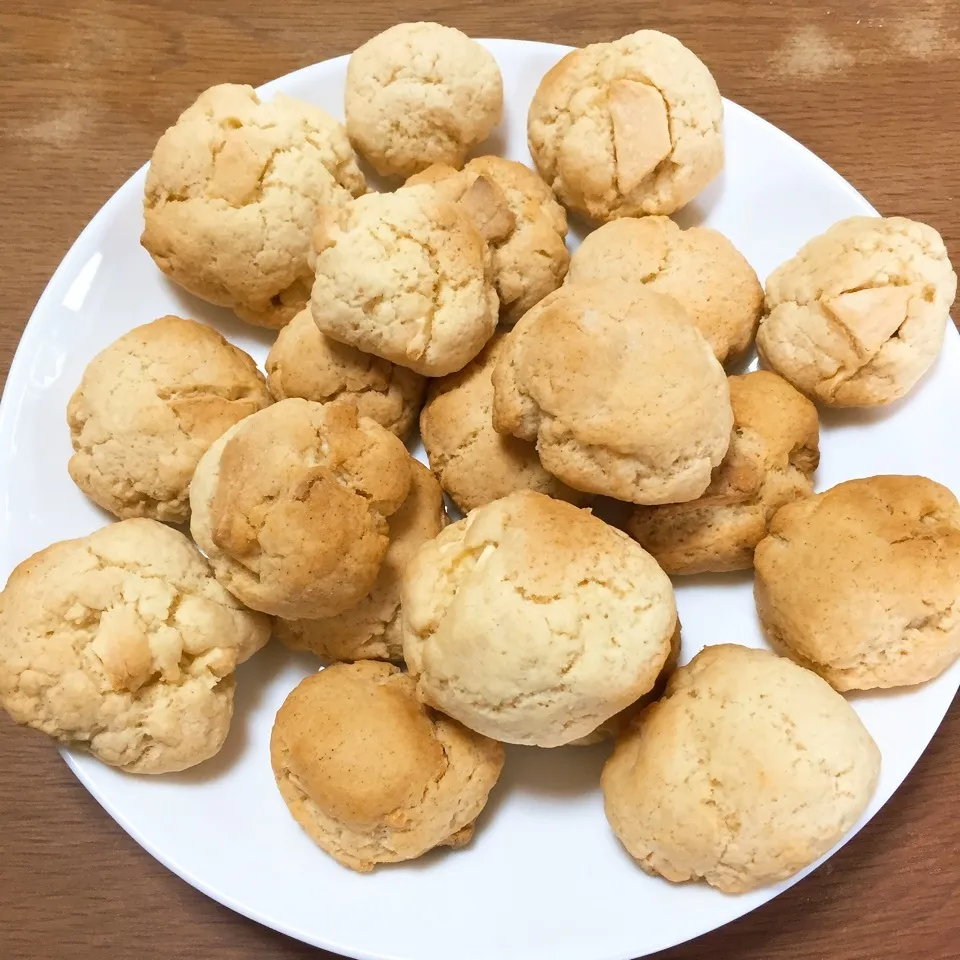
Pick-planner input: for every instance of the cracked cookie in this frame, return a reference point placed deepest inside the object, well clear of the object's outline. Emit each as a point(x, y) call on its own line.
point(861, 583)
point(122, 642)
point(405, 276)
point(232, 194)
point(371, 629)
point(533, 622)
point(305, 363)
point(858, 315)
point(371, 774)
point(627, 128)
point(747, 771)
point(621, 393)
point(291, 505)
point(148, 407)
point(473, 462)
point(771, 460)
point(520, 219)
point(420, 93)
point(699, 267)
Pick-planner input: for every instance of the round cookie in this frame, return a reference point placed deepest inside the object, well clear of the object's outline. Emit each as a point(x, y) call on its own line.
point(699, 267)
point(371, 629)
point(148, 407)
point(123, 643)
point(858, 315)
point(627, 128)
point(291, 506)
point(772, 457)
point(746, 772)
point(522, 222)
point(474, 463)
point(305, 363)
point(371, 774)
point(232, 194)
point(407, 277)
point(420, 93)
point(532, 621)
point(862, 582)
point(621, 393)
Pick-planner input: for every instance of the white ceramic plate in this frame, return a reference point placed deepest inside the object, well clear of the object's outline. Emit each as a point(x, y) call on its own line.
point(544, 876)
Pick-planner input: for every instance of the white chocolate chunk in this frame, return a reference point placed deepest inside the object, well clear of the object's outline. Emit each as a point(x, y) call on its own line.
point(872, 316)
point(641, 131)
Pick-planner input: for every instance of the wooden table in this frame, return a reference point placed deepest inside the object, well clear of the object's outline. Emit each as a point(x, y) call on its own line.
point(89, 85)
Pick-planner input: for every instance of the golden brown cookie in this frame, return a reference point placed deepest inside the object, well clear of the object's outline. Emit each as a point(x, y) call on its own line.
point(473, 462)
point(291, 507)
point(621, 393)
point(420, 93)
point(862, 582)
point(520, 219)
point(148, 407)
point(858, 315)
point(232, 194)
point(407, 277)
point(305, 363)
point(371, 774)
point(771, 460)
point(532, 621)
point(627, 128)
point(123, 643)
point(746, 772)
point(371, 629)
point(699, 267)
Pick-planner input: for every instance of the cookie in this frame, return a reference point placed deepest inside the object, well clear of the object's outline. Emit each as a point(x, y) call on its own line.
point(699, 267)
point(123, 643)
point(621, 393)
point(475, 464)
point(420, 93)
point(407, 277)
point(371, 629)
point(531, 621)
point(627, 128)
point(291, 505)
point(521, 220)
point(858, 315)
point(305, 363)
point(232, 194)
point(749, 770)
point(371, 774)
point(862, 583)
point(146, 410)
point(772, 457)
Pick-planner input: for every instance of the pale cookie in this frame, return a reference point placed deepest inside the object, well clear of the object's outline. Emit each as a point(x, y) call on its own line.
point(520, 219)
point(123, 643)
point(772, 457)
point(473, 462)
point(371, 774)
point(421, 93)
point(749, 770)
point(627, 128)
point(699, 267)
point(407, 277)
point(621, 393)
point(148, 407)
point(291, 507)
point(620, 722)
point(371, 629)
point(858, 315)
point(232, 194)
point(862, 583)
point(533, 622)
point(305, 363)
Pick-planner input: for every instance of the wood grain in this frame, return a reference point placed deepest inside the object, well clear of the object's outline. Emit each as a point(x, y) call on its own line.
point(88, 86)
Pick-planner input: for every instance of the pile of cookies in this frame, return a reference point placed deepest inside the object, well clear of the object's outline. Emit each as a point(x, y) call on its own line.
point(545, 386)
